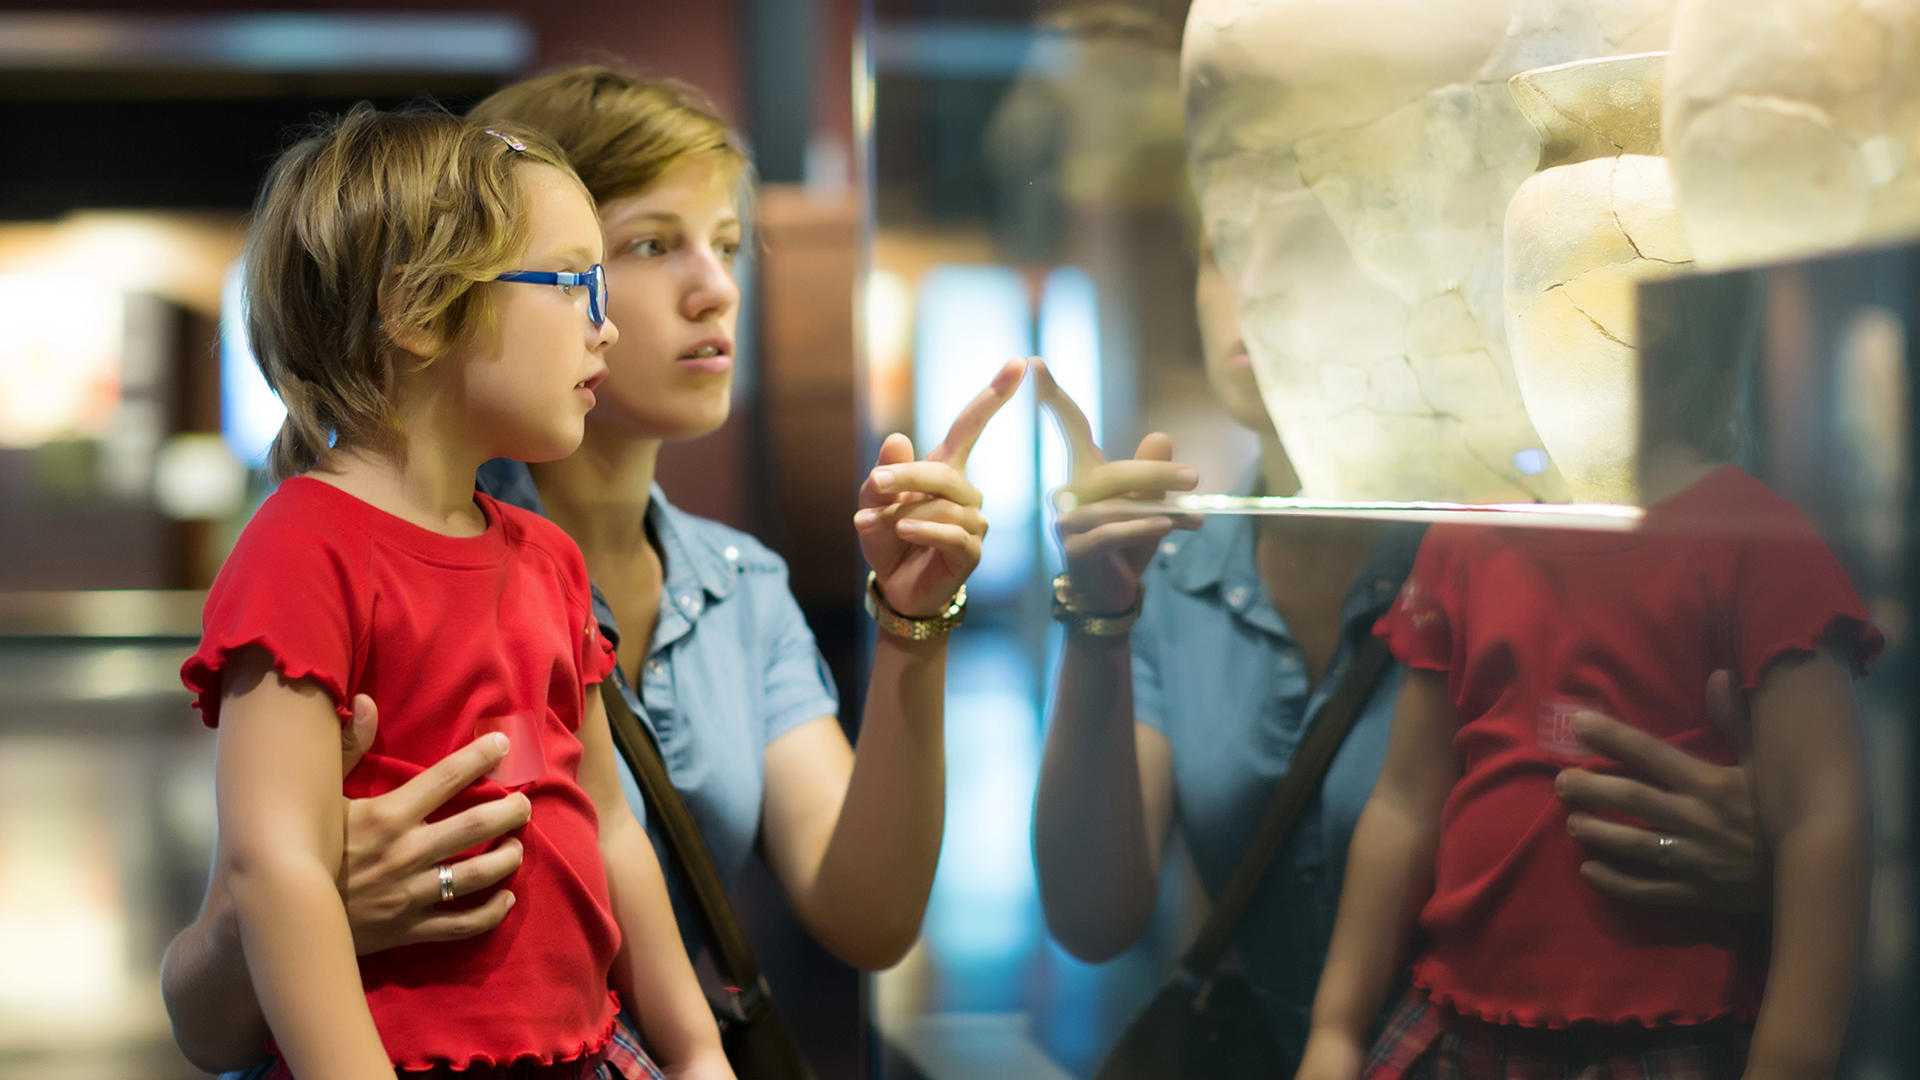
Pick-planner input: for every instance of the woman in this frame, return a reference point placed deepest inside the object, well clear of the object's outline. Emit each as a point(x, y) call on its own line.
point(1247, 626)
point(712, 650)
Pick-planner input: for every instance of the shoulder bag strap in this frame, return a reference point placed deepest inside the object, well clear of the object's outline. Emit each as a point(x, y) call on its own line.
point(688, 850)
point(1310, 762)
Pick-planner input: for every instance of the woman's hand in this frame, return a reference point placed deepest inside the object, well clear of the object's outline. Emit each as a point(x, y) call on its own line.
point(389, 875)
point(920, 523)
point(1107, 548)
point(1702, 845)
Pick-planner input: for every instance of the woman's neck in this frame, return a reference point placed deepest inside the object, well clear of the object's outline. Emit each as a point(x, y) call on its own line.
point(600, 494)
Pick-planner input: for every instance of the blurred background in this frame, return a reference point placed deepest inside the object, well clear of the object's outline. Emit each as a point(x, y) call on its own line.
point(948, 183)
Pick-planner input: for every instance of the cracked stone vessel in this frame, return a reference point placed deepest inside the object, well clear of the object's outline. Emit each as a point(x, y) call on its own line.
point(1598, 218)
point(1353, 164)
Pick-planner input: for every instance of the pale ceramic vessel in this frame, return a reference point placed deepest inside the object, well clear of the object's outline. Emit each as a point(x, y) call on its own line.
point(1354, 162)
point(1793, 126)
point(1598, 219)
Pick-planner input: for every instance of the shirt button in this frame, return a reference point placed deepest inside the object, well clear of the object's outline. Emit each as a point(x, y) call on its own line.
point(690, 604)
point(1290, 662)
point(1169, 548)
point(1237, 595)
point(655, 668)
point(732, 553)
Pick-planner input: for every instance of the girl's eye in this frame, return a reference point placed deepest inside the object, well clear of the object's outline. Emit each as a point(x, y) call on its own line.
point(566, 290)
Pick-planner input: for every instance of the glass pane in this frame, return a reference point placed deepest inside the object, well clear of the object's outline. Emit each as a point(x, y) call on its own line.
point(1446, 308)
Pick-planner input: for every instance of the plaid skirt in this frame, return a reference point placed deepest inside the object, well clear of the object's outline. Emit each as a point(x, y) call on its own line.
point(621, 1059)
point(1424, 1041)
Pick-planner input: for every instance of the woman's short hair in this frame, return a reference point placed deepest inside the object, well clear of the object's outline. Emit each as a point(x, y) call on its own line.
point(619, 129)
point(372, 230)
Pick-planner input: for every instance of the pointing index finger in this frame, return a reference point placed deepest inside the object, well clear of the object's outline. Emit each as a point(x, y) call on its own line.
point(973, 419)
point(1083, 453)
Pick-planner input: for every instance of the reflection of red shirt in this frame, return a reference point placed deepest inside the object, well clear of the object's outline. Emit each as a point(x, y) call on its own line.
point(1530, 626)
point(449, 636)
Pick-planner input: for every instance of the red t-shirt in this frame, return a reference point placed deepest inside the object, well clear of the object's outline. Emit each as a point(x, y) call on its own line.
point(450, 636)
point(1531, 626)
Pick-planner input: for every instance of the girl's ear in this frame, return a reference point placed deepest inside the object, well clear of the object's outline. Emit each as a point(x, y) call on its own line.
point(423, 341)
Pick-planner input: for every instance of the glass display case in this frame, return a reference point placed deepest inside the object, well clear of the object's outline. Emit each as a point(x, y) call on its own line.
point(1454, 272)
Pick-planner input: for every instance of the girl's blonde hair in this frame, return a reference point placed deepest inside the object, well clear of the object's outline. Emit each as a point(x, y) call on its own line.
point(620, 130)
point(372, 231)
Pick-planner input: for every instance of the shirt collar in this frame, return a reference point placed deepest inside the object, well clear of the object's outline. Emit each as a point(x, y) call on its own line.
point(1220, 556)
point(695, 561)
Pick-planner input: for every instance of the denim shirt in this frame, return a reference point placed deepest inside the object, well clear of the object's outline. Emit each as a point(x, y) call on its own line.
point(732, 667)
point(1217, 672)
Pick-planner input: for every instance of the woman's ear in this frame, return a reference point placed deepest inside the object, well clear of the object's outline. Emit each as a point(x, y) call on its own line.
point(421, 340)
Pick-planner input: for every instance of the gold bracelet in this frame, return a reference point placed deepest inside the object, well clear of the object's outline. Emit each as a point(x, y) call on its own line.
point(927, 628)
point(1067, 612)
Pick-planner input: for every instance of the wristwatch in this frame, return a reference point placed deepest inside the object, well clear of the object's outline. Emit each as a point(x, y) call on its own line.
point(1067, 612)
point(906, 626)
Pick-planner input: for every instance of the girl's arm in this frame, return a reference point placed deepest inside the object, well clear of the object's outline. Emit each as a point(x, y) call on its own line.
point(387, 881)
point(277, 776)
point(1389, 876)
point(1811, 776)
point(652, 972)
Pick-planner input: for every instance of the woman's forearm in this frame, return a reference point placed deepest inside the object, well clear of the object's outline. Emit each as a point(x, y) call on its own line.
point(209, 995)
point(870, 892)
point(1093, 844)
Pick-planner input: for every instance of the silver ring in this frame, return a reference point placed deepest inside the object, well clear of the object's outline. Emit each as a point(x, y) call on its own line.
point(446, 880)
point(1664, 848)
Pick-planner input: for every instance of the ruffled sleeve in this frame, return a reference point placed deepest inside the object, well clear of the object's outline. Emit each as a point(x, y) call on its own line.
point(287, 589)
point(1794, 597)
point(1418, 627)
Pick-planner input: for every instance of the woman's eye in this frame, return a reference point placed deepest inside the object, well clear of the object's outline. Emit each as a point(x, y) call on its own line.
point(647, 246)
point(729, 251)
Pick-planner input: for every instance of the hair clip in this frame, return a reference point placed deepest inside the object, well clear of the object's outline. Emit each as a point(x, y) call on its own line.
point(518, 146)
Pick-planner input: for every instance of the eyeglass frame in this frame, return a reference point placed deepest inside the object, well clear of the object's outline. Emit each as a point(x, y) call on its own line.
point(595, 279)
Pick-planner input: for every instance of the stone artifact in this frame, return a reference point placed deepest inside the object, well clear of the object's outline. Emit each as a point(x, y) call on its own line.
point(1354, 162)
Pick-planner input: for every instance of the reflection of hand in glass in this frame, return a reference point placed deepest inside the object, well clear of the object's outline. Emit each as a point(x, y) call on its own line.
point(920, 523)
point(1107, 548)
point(1713, 855)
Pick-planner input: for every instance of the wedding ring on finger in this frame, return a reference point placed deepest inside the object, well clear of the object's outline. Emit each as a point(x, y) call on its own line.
point(446, 881)
point(1663, 851)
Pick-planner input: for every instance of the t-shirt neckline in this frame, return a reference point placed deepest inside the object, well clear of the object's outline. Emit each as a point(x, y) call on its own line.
point(486, 548)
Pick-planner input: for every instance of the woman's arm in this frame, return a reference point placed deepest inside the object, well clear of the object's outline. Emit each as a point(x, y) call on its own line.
point(389, 882)
point(652, 972)
point(1718, 858)
point(1389, 876)
point(854, 835)
point(1812, 779)
point(277, 777)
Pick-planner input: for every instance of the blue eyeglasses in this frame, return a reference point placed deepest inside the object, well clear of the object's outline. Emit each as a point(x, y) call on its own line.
point(595, 280)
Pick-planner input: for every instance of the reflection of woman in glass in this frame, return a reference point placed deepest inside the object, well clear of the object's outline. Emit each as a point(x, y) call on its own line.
point(1246, 625)
point(1506, 631)
point(712, 649)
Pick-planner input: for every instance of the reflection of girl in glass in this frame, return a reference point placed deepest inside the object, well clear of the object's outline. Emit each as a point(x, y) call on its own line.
point(1520, 969)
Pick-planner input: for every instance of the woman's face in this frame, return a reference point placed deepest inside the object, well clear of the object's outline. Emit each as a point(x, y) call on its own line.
point(1229, 369)
point(670, 256)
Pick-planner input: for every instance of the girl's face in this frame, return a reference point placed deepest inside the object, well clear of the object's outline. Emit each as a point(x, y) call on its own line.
point(670, 257)
point(527, 380)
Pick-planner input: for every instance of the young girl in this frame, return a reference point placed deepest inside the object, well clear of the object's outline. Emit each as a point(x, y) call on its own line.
point(1524, 970)
point(425, 293)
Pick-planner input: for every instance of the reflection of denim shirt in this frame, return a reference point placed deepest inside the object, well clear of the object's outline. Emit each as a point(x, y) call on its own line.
point(1216, 671)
